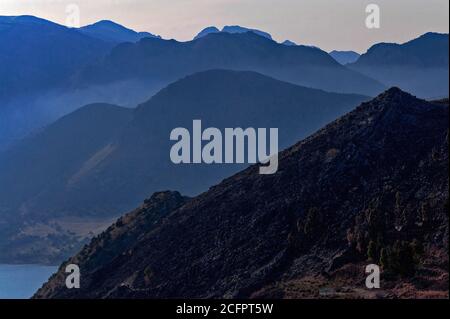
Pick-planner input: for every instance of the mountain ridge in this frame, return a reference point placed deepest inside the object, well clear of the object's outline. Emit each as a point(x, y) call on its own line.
point(231, 29)
point(156, 58)
point(134, 161)
point(290, 234)
point(419, 66)
point(113, 32)
point(345, 57)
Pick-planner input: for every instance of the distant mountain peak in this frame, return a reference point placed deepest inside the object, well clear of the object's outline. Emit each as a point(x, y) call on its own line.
point(231, 29)
point(107, 22)
point(25, 19)
point(289, 43)
point(111, 31)
point(344, 57)
point(239, 29)
point(419, 66)
point(206, 31)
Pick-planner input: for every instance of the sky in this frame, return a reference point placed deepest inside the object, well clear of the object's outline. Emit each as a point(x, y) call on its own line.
point(328, 24)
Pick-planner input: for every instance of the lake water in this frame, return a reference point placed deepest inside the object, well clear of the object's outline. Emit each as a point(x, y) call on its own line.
point(22, 281)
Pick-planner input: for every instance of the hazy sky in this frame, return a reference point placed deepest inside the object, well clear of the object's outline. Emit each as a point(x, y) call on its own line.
point(328, 24)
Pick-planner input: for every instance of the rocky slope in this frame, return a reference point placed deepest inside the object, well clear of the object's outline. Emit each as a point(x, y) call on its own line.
point(371, 187)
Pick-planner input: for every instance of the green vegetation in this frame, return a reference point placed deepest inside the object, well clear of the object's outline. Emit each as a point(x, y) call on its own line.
point(401, 258)
point(372, 238)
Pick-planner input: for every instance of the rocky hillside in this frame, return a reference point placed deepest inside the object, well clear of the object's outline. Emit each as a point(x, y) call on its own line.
point(371, 187)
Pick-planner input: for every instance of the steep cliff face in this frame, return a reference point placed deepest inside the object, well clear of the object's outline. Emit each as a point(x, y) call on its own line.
point(371, 187)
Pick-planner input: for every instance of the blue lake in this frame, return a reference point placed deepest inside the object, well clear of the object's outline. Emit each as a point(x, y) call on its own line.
point(22, 281)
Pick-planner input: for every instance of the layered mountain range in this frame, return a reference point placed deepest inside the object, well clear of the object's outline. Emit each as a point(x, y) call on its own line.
point(419, 66)
point(168, 60)
point(110, 31)
point(67, 171)
point(103, 159)
point(345, 57)
point(231, 29)
point(370, 187)
point(57, 52)
point(48, 158)
point(106, 62)
point(36, 59)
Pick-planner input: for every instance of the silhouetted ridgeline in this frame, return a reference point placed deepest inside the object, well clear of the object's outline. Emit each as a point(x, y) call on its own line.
point(419, 66)
point(371, 187)
point(168, 60)
point(102, 160)
point(73, 67)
